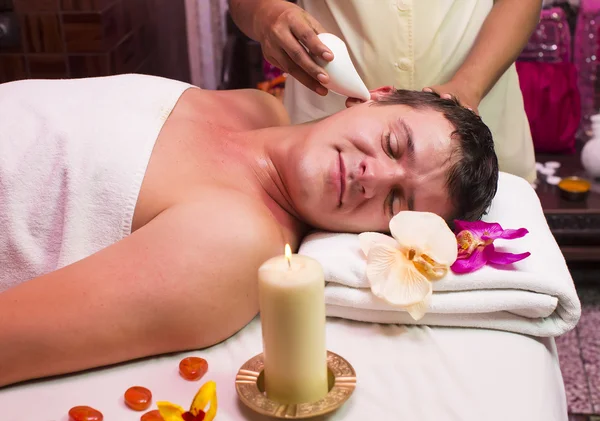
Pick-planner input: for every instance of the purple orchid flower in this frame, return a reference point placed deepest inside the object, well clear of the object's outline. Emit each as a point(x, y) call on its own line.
point(476, 245)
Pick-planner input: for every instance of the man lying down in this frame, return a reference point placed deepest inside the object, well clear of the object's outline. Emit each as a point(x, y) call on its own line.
point(135, 211)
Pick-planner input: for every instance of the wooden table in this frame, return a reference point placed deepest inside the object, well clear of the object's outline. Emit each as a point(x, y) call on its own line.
point(575, 225)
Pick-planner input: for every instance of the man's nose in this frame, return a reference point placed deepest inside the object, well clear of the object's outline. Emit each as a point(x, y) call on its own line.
point(377, 177)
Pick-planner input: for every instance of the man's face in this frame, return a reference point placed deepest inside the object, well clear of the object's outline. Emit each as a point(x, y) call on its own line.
point(359, 167)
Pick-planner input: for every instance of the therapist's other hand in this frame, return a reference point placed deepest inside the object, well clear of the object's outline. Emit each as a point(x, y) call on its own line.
point(281, 28)
point(465, 96)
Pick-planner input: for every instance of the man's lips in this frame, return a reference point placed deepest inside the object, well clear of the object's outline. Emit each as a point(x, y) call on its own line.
point(342, 178)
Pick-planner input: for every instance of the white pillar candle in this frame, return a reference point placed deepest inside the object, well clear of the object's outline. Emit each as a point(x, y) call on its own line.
point(292, 314)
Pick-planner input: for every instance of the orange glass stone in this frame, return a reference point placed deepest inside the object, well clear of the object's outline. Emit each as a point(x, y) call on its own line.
point(138, 398)
point(193, 368)
point(85, 413)
point(152, 416)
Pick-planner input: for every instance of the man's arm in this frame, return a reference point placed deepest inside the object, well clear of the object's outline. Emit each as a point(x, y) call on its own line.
point(187, 280)
point(501, 39)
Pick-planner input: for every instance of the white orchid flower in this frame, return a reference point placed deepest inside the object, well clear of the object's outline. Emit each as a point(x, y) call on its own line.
point(400, 269)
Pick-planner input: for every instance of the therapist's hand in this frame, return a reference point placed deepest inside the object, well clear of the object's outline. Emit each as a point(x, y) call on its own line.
point(461, 92)
point(281, 27)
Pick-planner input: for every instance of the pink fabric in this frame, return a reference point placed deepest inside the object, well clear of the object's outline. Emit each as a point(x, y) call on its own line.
point(590, 5)
point(586, 56)
point(551, 40)
point(552, 104)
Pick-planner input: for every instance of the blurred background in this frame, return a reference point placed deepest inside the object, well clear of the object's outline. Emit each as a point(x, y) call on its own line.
point(180, 39)
point(196, 41)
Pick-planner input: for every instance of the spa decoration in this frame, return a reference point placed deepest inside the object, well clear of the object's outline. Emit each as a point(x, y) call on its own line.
point(291, 291)
point(400, 269)
point(476, 245)
point(574, 188)
point(85, 413)
point(295, 377)
point(153, 415)
point(205, 396)
point(590, 155)
point(193, 368)
point(138, 398)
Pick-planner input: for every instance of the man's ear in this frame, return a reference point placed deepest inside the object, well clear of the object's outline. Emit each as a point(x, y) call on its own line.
point(379, 93)
point(376, 95)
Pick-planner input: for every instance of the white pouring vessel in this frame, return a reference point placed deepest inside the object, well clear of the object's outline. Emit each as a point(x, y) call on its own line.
point(343, 77)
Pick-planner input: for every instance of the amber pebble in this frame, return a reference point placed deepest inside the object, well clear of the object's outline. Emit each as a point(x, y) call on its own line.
point(152, 416)
point(85, 413)
point(193, 368)
point(138, 398)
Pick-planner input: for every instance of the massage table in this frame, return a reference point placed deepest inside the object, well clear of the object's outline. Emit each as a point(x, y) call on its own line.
point(405, 371)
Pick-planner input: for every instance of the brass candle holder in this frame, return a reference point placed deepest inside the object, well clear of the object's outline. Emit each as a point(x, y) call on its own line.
point(250, 387)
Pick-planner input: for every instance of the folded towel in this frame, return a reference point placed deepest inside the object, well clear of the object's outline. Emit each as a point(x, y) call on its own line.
point(535, 296)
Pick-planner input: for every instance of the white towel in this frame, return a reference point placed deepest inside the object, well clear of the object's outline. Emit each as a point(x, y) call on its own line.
point(73, 154)
point(535, 296)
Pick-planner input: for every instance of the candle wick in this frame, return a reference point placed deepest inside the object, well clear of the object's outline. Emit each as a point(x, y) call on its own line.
point(289, 263)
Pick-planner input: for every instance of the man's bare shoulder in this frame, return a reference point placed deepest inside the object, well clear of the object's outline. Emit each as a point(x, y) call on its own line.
point(276, 114)
point(241, 109)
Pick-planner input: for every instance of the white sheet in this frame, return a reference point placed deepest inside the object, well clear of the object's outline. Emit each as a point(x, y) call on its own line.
point(403, 373)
